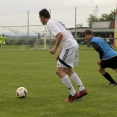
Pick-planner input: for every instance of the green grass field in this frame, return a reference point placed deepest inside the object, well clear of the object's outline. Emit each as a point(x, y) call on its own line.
point(35, 70)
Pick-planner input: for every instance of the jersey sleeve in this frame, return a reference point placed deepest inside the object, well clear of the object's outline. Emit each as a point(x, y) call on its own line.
point(97, 48)
point(53, 28)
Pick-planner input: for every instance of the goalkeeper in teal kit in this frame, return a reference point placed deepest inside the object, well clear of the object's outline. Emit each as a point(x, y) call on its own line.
point(107, 56)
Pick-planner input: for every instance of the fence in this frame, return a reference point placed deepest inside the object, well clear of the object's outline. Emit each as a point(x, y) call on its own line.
point(20, 33)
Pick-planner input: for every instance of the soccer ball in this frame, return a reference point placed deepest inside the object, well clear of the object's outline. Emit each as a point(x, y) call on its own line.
point(21, 92)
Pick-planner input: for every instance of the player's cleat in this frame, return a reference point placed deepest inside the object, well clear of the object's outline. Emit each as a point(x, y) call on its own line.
point(82, 93)
point(71, 98)
point(112, 84)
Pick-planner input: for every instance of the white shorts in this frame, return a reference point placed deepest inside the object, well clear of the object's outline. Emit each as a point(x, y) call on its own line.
point(68, 57)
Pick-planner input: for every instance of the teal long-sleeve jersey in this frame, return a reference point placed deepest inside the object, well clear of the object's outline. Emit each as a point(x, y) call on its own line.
point(105, 51)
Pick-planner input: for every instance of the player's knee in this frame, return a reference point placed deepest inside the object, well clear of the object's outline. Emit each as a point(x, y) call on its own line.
point(101, 70)
point(68, 72)
point(65, 70)
point(58, 71)
point(115, 70)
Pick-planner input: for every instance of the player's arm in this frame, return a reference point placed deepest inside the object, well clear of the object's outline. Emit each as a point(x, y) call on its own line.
point(97, 48)
point(55, 30)
point(58, 39)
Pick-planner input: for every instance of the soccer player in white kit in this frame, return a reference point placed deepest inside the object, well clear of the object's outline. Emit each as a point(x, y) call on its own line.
point(67, 57)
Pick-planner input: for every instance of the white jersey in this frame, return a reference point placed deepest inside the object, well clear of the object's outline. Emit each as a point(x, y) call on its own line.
point(55, 27)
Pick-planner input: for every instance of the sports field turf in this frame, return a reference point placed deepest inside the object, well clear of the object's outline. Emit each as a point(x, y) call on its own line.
point(35, 70)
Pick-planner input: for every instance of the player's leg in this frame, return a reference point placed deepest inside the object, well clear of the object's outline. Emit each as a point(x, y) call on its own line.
point(107, 76)
point(74, 76)
point(66, 81)
point(110, 63)
point(4, 43)
point(73, 61)
point(68, 59)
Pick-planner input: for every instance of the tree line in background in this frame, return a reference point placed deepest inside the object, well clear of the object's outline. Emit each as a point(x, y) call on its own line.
point(103, 17)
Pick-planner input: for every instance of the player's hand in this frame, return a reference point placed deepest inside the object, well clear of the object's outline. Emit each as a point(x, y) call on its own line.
point(99, 61)
point(52, 51)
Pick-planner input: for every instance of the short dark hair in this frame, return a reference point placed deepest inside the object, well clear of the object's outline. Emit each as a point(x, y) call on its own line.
point(45, 13)
point(87, 32)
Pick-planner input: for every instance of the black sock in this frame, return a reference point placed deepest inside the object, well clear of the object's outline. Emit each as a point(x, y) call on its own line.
point(109, 78)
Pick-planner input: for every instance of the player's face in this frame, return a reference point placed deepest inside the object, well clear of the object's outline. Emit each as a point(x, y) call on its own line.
point(87, 36)
point(42, 19)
